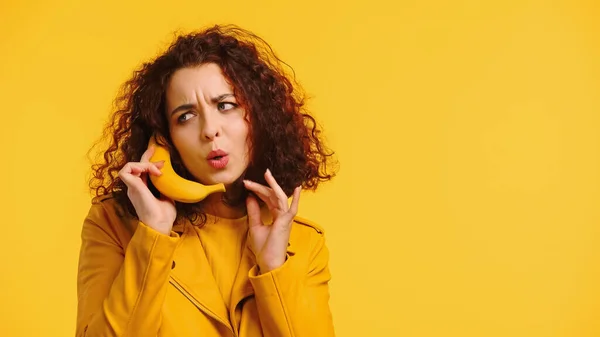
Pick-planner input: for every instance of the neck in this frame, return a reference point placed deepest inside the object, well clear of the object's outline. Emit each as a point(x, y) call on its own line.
point(214, 205)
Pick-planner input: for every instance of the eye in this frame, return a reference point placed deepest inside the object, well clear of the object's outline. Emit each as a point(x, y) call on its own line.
point(224, 106)
point(184, 117)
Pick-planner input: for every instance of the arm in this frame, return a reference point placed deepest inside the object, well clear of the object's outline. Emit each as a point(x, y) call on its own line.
point(293, 301)
point(120, 291)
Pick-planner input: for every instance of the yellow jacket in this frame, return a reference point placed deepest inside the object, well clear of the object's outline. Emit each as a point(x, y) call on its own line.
point(134, 281)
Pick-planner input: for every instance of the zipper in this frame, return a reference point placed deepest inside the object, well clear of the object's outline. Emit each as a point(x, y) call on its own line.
point(200, 305)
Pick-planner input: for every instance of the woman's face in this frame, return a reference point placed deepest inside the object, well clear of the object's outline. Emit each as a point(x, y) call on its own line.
point(207, 125)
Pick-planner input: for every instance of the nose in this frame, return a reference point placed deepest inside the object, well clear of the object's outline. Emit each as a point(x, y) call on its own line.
point(211, 127)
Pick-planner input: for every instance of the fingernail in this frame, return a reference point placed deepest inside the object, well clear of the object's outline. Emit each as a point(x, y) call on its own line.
point(268, 172)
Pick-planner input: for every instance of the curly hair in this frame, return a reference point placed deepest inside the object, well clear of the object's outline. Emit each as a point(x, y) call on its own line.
point(283, 136)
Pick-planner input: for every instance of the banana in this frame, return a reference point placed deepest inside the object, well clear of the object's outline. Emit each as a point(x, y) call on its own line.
point(172, 185)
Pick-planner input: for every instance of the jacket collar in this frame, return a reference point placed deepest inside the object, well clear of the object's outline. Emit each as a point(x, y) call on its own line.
point(193, 274)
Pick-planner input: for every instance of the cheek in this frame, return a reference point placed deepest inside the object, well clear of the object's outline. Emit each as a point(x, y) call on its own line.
point(242, 144)
point(183, 147)
point(245, 140)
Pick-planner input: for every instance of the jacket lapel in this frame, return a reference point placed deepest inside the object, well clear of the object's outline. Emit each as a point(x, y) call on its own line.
point(242, 288)
point(193, 274)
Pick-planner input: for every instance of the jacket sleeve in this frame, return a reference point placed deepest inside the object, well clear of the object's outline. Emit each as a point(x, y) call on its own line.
point(120, 290)
point(293, 301)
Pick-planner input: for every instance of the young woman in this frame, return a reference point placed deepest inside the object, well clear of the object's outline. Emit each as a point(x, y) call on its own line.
point(239, 262)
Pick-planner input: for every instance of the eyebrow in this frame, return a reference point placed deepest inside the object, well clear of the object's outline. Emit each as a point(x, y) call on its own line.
point(213, 100)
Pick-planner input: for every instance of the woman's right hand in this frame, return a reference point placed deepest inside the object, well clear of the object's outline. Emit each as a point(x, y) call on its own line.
point(159, 214)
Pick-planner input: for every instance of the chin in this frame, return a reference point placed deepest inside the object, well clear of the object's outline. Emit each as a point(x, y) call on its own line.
point(226, 178)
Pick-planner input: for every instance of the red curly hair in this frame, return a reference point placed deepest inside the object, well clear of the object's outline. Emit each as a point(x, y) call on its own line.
point(283, 136)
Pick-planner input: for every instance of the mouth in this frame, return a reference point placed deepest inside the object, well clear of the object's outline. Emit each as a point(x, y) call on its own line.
point(218, 159)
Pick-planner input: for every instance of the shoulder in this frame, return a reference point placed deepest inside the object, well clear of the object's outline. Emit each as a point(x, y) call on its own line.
point(307, 240)
point(309, 225)
point(106, 212)
point(102, 198)
point(306, 234)
point(97, 212)
point(105, 205)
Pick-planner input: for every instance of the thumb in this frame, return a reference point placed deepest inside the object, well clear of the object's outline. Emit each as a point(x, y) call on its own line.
point(253, 209)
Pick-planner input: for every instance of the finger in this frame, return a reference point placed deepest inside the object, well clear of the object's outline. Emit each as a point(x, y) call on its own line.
point(139, 168)
point(134, 176)
point(130, 173)
point(147, 154)
point(157, 166)
point(133, 183)
point(153, 168)
point(253, 209)
point(262, 191)
point(288, 217)
point(277, 189)
point(295, 201)
point(133, 171)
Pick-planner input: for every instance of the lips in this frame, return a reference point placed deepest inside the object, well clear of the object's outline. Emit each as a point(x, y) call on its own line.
point(216, 154)
point(218, 159)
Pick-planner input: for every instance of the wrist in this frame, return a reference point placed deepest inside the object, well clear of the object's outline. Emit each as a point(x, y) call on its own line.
point(164, 229)
point(269, 266)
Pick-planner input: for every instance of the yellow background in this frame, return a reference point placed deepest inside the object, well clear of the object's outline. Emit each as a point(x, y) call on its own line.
point(467, 132)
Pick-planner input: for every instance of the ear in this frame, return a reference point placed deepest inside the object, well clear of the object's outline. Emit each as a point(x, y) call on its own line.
point(173, 186)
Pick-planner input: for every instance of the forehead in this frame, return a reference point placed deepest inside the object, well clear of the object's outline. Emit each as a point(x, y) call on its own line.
point(206, 79)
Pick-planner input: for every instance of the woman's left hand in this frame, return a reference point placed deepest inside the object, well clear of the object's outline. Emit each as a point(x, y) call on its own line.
point(269, 242)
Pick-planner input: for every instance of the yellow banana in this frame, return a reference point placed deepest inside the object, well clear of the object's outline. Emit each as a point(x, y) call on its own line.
point(172, 185)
